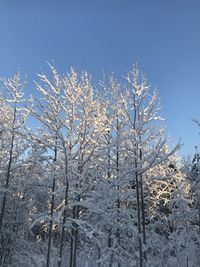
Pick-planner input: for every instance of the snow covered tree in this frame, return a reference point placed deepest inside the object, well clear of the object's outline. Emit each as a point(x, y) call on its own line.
point(92, 181)
point(74, 121)
point(86, 118)
point(12, 159)
point(135, 146)
point(143, 142)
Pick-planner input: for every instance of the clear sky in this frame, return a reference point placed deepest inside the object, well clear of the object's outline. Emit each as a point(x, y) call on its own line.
point(163, 36)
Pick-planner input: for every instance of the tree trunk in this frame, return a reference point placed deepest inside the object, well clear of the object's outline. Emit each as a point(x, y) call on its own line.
point(110, 245)
point(72, 239)
point(65, 206)
point(142, 207)
point(75, 238)
point(8, 169)
point(63, 225)
point(138, 214)
point(8, 174)
point(52, 209)
point(118, 187)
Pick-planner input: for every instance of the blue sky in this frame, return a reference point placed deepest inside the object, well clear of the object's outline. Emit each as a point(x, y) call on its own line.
point(111, 35)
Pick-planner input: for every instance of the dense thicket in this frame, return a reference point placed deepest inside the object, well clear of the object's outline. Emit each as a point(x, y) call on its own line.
point(87, 178)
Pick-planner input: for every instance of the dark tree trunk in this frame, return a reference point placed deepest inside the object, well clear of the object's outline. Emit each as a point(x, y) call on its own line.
point(52, 209)
point(143, 207)
point(138, 215)
point(63, 226)
point(8, 169)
